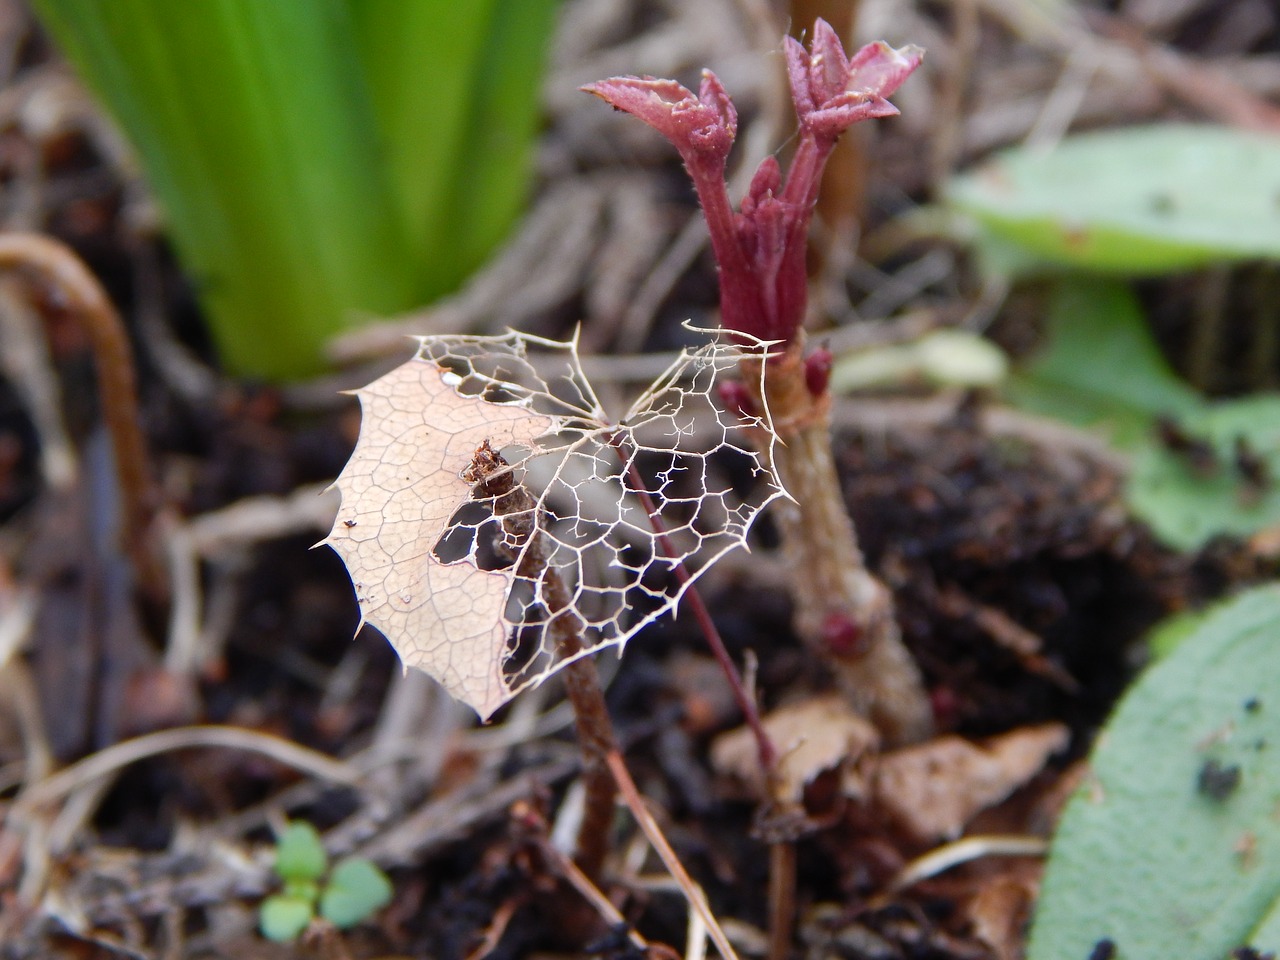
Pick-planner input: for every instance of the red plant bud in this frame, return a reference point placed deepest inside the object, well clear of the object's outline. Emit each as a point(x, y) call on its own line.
point(817, 371)
point(832, 92)
point(946, 706)
point(760, 248)
point(842, 635)
point(701, 126)
point(737, 399)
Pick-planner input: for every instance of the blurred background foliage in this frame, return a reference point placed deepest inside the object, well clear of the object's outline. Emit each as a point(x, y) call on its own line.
point(319, 160)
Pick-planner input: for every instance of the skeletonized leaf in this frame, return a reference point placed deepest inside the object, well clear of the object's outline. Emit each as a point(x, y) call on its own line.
point(455, 579)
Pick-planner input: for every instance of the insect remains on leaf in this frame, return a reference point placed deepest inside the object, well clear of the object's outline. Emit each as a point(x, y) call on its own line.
point(485, 462)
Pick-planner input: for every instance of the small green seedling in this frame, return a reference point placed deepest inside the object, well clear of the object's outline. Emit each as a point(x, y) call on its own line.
point(354, 890)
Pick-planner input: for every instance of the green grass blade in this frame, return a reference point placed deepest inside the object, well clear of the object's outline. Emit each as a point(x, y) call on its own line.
point(492, 188)
point(421, 62)
point(254, 127)
point(456, 89)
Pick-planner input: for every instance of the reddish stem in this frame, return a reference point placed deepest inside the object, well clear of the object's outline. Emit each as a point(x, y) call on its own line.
point(746, 703)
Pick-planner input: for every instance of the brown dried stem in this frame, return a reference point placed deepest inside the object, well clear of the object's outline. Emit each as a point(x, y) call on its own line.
point(782, 874)
point(56, 266)
point(496, 484)
point(782, 897)
point(653, 833)
point(841, 610)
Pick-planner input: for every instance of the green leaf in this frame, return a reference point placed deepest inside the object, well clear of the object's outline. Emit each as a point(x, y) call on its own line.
point(421, 60)
point(1137, 200)
point(283, 918)
point(1266, 935)
point(950, 358)
point(300, 855)
point(308, 890)
point(491, 183)
point(1100, 366)
point(1186, 507)
point(319, 161)
point(1167, 635)
point(456, 89)
point(1172, 846)
point(356, 890)
point(255, 130)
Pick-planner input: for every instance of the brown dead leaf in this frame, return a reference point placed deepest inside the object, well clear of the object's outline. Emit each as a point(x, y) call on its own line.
point(933, 789)
point(812, 736)
point(399, 490)
point(999, 911)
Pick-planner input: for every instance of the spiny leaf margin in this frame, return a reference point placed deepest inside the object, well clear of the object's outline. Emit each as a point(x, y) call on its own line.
point(576, 463)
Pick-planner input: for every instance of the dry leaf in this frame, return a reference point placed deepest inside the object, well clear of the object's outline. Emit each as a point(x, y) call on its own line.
point(933, 789)
point(431, 565)
point(999, 911)
point(400, 488)
point(811, 736)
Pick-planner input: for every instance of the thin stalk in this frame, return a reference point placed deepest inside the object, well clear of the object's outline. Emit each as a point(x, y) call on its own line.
point(841, 610)
point(746, 702)
point(596, 739)
point(56, 266)
point(782, 859)
point(496, 485)
point(692, 892)
point(782, 897)
point(580, 882)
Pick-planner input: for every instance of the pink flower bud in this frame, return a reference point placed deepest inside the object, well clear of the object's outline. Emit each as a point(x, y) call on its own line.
point(832, 92)
point(842, 635)
point(701, 127)
point(817, 371)
point(760, 250)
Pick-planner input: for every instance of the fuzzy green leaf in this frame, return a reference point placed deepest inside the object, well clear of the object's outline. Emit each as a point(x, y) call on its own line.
point(1100, 366)
point(283, 919)
point(1138, 200)
point(356, 890)
point(300, 855)
point(1172, 846)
